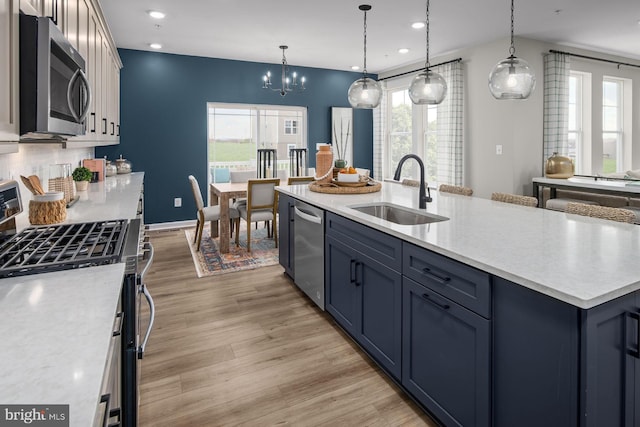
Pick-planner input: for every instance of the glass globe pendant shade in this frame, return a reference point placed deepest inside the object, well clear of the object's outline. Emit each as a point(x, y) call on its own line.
point(512, 78)
point(365, 93)
point(428, 88)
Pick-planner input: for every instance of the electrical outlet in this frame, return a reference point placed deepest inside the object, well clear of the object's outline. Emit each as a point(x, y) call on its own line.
point(177, 202)
point(499, 150)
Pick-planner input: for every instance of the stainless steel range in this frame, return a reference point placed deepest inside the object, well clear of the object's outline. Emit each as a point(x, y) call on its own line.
point(45, 249)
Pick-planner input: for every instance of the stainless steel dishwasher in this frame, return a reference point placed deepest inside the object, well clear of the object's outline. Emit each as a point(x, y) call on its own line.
point(308, 257)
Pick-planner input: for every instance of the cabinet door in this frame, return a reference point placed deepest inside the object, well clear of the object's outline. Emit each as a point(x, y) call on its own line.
point(71, 22)
point(285, 233)
point(9, 122)
point(379, 320)
point(341, 290)
point(610, 363)
point(445, 357)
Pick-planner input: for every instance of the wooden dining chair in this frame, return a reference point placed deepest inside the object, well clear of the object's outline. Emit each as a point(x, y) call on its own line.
point(262, 205)
point(208, 213)
point(299, 180)
point(603, 212)
point(455, 189)
point(515, 199)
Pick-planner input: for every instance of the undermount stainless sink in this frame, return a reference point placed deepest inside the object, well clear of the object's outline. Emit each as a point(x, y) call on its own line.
point(398, 214)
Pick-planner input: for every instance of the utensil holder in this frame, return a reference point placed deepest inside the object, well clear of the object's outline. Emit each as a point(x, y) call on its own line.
point(44, 213)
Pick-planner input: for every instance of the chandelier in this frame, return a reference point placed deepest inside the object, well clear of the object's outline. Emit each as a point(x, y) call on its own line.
point(289, 83)
point(512, 78)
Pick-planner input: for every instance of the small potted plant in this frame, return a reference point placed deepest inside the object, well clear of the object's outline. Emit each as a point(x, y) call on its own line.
point(82, 176)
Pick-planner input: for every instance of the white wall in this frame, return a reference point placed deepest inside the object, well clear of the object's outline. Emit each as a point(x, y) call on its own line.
point(517, 125)
point(35, 159)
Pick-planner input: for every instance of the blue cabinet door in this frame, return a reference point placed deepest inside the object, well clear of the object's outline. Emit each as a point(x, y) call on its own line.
point(341, 291)
point(445, 357)
point(380, 313)
point(610, 363)
point(365, 298)
point(286, 245)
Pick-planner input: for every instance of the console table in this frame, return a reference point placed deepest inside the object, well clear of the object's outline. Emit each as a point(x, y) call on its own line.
point(589, 185)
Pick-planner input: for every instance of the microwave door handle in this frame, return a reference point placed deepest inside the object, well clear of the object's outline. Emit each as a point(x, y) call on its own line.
point(87, 99)
point(73, 79)
point(152, 316)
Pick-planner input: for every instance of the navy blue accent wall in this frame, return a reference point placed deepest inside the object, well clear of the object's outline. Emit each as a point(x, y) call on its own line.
point(163, 118)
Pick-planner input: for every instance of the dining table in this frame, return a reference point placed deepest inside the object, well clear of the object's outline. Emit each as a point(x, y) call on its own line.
point(219, 194)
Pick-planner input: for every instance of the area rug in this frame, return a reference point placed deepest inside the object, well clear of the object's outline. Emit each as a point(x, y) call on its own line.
point(210, 262)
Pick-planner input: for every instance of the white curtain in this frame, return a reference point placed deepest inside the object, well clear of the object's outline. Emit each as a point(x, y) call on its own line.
point(450, 126)
point(556, 104)
point(379, 133)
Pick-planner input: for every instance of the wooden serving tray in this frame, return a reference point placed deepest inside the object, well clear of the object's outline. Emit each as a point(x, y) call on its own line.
point(369, 187)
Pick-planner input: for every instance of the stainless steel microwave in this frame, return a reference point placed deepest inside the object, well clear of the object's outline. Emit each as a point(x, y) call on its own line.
point(54, 91)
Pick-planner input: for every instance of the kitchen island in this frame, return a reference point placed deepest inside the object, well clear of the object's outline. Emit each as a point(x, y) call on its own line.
point(57, 327)
point(501, 315)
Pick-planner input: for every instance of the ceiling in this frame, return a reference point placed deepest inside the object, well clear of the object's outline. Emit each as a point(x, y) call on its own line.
point(329, 34)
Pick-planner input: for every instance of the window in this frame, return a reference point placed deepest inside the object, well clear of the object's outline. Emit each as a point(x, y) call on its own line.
point(579, 134)
point(236, 131)
point(612, 135)
point(407, 120)
point(430, 135)
point(400, 140)
point(433, 132)
point(290, 127)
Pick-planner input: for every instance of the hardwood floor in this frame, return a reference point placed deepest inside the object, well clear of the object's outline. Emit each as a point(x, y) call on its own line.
point(250, 349)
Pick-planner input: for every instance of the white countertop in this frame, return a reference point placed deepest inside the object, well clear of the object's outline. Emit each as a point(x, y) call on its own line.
point(579, 260)
point(55, 334)
point(56, 327)
point(114, 198)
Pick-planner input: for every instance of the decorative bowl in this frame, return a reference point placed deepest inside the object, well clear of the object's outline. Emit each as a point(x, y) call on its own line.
point(348, 177)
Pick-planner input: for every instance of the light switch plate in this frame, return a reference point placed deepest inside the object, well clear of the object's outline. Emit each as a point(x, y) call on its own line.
point(177, 202)
point(499, 150)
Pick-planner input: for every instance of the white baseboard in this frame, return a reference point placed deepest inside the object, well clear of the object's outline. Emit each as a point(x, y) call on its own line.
point(171, 225)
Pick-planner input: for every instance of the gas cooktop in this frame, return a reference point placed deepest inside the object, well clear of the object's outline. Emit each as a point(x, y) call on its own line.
point(62, 247)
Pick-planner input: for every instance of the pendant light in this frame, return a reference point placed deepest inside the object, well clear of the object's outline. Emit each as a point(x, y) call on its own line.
point(365, 92)
point(512, 78)
point(428, 87)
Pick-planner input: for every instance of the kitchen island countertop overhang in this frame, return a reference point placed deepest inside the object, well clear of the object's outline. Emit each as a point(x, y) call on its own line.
point(578, 260)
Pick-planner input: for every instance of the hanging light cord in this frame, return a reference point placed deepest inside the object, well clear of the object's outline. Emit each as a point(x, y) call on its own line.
point(512, 49)
point(364, 71)
point(426, 62)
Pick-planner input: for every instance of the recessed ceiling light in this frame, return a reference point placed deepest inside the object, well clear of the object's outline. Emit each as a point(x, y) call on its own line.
point(403, 50)
point(156, 14)
point(355, 67)
point(417, 25)
point(155, 46)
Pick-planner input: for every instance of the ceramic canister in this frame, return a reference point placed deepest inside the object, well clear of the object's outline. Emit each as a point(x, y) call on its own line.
point(324, 164)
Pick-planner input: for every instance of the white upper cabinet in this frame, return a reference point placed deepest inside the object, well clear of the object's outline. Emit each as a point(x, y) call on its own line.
point(83, 24)
point(9, 117)
point(103, 64)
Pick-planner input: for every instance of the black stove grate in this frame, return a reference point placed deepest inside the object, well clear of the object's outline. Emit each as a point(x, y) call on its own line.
point(62, 247)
